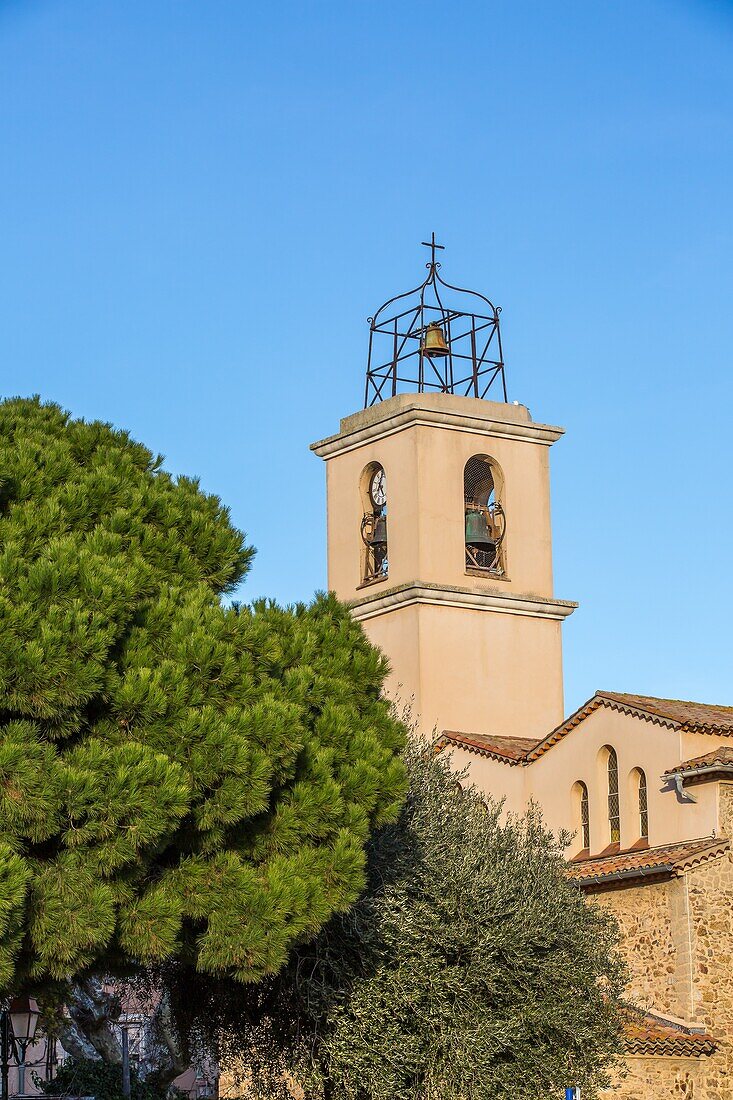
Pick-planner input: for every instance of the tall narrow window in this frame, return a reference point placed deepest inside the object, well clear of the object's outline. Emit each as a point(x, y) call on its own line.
point(584, 816)
point(614, 811)
point(375, 563)
point(485, 521)
point(643, 807)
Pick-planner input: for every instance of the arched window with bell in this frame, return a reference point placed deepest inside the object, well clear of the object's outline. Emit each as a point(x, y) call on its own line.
point(375, 563)
point(485, 519)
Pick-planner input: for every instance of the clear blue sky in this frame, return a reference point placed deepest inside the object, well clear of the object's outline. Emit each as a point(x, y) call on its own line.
point(203, 201)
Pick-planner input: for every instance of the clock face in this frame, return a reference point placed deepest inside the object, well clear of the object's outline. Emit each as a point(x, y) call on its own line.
point(378, 489)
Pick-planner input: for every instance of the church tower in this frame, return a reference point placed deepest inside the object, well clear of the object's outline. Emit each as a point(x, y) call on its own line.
point(439, 530)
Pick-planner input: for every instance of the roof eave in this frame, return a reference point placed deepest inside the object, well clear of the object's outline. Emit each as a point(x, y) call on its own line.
point(662, 871)
point(694, 773)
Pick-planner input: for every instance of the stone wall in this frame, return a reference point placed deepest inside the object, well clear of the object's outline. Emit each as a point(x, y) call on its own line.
point(711, 904)
point(655, 933)
point(678, 942)
point(725, 808)
point(650, 1078)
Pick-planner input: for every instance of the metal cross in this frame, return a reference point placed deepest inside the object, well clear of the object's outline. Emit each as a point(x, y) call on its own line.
point(432, 246)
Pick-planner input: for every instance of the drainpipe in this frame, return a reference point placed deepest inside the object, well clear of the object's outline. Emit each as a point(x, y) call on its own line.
point(677, 779)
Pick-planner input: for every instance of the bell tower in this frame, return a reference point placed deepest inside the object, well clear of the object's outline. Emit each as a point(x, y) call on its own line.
point(439, 520)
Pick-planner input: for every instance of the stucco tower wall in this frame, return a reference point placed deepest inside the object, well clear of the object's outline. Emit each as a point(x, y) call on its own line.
point(477, 652)
point(473, 670)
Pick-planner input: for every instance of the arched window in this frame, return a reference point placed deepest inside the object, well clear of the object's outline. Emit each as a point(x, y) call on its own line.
point(643, 806)
point(614, 809)
point(583, 813)
point(375, 563)
point(485, 521)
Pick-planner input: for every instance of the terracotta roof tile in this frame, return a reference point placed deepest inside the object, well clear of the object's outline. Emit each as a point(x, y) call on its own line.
point(722, 756)
point(648, 1033)
point(512, 750)
point(632, 865)
point(679, 711)
point(674, 713)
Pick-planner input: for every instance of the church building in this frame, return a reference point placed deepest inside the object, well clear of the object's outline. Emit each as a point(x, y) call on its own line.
point(439, 538)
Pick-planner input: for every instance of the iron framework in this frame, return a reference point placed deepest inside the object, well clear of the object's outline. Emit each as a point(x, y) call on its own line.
point(397, 362)
point(374, 537)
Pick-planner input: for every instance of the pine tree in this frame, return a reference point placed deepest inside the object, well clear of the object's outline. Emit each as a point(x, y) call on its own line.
point(178, 778)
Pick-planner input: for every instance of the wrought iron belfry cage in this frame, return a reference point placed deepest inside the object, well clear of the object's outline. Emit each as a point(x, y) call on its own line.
point(431, 340)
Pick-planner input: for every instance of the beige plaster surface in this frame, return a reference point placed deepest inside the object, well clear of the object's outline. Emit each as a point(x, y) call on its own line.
point(473, 670)
point(580, 756)
point(424, 465)
point(483, 654)
point(471, 652)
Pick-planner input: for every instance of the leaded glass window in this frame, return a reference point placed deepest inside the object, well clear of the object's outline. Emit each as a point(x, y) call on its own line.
point(584, 815)
point(643, 808)
point(614, 810)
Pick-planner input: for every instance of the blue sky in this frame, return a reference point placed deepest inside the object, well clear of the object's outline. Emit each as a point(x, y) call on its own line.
point(202, 203)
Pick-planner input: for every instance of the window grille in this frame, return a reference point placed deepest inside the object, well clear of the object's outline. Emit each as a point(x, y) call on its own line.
point(643, 808)
point(614, 811)
point(485, 522)
point(584, 815)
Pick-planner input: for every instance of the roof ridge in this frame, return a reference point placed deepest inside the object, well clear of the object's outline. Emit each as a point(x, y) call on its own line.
point(640, 706)
point(628, 704)
point(647, 704)
point(662, 699)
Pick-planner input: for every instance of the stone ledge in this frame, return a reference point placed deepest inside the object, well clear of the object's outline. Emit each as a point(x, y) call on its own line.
point(416, 592)
point(460, 414)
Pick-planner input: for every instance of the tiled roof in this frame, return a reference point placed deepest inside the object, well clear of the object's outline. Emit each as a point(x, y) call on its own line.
point(722, 756)
point(648, 1033)
point(512, 750)
point(679, 711)
point(634, 865)
point(673, 713)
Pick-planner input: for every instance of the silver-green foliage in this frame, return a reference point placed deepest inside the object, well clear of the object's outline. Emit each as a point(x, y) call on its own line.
point(471, 968)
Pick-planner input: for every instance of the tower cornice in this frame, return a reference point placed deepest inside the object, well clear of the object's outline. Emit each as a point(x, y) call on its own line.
point(446, 411)
point(509, 603)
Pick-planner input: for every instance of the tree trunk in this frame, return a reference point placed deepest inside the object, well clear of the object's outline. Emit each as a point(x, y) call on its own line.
point(90, 1030)
point(162, 1057)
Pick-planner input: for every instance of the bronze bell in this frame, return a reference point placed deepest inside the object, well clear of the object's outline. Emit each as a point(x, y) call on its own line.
point(481, 548)
point(434, 342)
point(477, 531)
point(379, 533)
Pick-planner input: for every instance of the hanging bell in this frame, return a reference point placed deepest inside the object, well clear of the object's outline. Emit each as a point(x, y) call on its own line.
point(434, 342)
point(379, 534)
point(477, 532)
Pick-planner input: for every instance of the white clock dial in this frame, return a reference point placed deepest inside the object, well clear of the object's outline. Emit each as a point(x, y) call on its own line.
point(378, 488)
